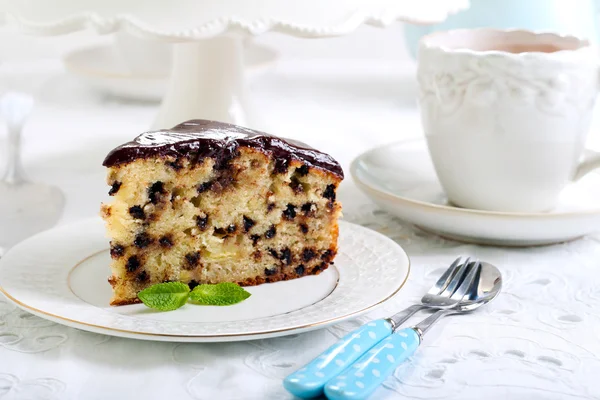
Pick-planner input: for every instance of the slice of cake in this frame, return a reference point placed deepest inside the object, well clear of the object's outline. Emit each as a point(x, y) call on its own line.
point(209, 202)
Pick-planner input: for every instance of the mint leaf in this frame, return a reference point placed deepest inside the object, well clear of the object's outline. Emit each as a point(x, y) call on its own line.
point(221, 294)
point(165, 296)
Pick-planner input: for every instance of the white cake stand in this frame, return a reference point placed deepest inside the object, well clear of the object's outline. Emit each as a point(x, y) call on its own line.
point(207, 76)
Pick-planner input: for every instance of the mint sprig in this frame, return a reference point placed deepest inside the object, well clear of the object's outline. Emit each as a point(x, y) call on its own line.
point(165, 296)
point(221, 294)
point(173, 295)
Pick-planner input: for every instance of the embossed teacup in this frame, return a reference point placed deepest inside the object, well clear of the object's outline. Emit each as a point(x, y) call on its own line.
point(506, 115)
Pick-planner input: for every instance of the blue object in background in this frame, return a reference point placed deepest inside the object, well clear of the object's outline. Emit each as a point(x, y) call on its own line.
point(574, 17)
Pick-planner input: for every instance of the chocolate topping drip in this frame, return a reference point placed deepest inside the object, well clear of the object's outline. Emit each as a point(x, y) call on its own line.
point(198, 139)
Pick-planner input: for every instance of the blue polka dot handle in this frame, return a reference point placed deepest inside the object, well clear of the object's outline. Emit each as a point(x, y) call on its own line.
point(309, 381)
point(359, 380)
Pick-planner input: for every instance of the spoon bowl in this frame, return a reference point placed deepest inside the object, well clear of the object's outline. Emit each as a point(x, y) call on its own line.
point(485, 288)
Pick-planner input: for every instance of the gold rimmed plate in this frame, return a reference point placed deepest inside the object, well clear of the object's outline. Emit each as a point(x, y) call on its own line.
point(61, 275)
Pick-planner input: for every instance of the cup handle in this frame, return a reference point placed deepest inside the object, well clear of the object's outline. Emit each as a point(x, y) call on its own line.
point(591, 161)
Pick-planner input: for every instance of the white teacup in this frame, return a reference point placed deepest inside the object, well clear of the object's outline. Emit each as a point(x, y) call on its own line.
point(506, 115)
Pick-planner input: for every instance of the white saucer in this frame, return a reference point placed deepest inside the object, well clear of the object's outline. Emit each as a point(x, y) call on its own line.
point(400, 178)
point(104, 69)
point(61, 275)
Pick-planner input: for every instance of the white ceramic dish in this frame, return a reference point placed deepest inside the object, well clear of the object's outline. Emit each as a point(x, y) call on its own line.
point(106, 70)
point(400, 178)
point(61, 275)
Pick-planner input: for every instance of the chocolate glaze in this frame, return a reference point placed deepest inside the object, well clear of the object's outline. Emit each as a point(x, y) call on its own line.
point(201, 138)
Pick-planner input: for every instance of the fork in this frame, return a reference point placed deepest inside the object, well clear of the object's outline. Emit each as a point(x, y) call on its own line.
point(361, 378)
point(309, 381)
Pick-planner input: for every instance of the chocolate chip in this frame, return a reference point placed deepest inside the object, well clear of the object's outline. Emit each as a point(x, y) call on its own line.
point(271, 271)
point(309, 209)
point(220, 232)
point(202, 222)
point(286, 256)
point(304, 228)
point(270, 207)
point(231, 228)
point(203, 187)
point(194, 157)
point(281, 166)
point(254, 239)
point(224, 179)
point(114, 188)
point(192, 284)
point(192, 260)
point(300, 269)
point(273, 253)
point(308, 254)
point(290, 212)
point(116, 251)
point(142, 240)
point(248, 223)
point(296, 186)
point(166, 241)
point(142, 277)
point(176, 165)
point(269, 234)
point(303, 170)
point(327, 254)
point(224, 161)
point(137, 212)
point(319, 268)
point(329, 192)
point(132, 263)
point(155, 191)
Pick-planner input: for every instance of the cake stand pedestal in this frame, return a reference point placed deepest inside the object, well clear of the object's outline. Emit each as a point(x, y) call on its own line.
point(206, 79)
point(207, 82)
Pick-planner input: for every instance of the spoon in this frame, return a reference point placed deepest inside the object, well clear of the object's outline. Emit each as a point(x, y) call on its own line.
point(309, 381)
point(25, 207)
point(360, 379)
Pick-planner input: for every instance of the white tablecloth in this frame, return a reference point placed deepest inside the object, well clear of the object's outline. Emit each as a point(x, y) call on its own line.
point(538, 340)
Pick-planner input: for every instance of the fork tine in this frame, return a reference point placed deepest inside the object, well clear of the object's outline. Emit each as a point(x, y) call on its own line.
point(456, 279)
point(467, 283)
point(446, 277)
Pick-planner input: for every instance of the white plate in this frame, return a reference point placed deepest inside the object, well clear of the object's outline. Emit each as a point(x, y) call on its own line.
point(61, 275)
point(400, 178)
point(104, 69)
